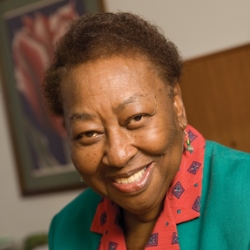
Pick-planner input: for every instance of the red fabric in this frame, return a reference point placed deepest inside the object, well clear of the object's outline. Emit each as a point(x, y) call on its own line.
point(182, 203)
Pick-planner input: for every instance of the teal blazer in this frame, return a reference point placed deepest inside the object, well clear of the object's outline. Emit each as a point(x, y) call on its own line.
point(224, 222)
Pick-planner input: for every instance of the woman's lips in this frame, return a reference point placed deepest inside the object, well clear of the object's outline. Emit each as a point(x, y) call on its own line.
point(133, 178)
point(135, 182)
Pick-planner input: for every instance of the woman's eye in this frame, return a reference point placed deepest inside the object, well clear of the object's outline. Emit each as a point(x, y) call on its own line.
point(87, 138)
point(137, 118)
point(136, 121)
point(90, 134)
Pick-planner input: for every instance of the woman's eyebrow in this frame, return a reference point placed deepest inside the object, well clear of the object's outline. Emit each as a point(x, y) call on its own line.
point(131, 99)
point(81, 117)
point(87, 117)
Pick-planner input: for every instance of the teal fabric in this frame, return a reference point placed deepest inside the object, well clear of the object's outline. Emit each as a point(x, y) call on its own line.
point(224, 223)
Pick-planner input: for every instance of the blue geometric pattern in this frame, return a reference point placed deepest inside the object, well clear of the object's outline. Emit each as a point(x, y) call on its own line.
point(113, 246)
point(194, 167)
point(177, 190)
point(197, 204)
point(103, 218)
point(153, 240)
point(175, 238)
point(191, 136)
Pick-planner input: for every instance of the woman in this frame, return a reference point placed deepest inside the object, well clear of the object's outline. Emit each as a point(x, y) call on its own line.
point(114, 80)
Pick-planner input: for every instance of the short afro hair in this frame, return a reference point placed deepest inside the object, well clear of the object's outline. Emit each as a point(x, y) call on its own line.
point(102, 35)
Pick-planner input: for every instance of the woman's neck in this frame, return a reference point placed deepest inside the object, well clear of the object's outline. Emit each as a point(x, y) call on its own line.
point(138, 228)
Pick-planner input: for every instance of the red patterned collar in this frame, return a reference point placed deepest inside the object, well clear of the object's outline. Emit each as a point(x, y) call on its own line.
point(182, 203)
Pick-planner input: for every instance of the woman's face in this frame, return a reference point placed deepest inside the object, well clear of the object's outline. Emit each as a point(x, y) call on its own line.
point(125, 130)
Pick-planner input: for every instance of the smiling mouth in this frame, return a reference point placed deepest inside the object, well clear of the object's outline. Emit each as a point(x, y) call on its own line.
point(131, 179)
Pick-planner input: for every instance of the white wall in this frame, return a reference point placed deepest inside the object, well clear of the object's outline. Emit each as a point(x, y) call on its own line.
point(197, 27)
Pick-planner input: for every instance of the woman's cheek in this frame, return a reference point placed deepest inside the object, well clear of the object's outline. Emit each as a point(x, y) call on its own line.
point(156, 140)
point(86, 160)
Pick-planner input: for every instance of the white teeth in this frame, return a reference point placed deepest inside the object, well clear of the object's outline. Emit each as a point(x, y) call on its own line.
point(133, 178)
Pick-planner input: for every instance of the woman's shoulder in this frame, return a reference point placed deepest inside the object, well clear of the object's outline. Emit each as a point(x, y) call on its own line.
point(223, 165)
point(226, 176)
point(72, 224)
point(220, 152)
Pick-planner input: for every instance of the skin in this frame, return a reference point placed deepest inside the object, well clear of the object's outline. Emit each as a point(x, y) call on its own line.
point(120, 117)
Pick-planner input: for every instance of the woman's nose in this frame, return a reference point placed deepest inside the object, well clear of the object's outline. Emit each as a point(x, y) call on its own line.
point(119, 149)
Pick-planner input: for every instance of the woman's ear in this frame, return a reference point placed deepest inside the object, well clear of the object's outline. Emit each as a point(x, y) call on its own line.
point(179, 108)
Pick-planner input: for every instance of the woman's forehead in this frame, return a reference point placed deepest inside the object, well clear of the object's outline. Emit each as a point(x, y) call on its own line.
point(116, 73)
point(113, 82)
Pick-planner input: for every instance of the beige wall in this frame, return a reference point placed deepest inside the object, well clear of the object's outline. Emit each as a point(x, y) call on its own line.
point(197, 27)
